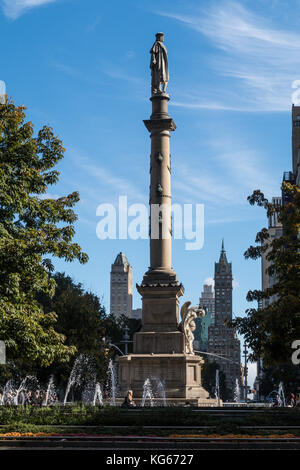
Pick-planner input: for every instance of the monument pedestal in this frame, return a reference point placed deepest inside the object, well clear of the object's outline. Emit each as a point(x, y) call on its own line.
point(159, 349)
point(180, 374)
point(159, 333)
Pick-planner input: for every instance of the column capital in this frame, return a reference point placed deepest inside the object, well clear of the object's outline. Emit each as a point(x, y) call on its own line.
point(160, 124)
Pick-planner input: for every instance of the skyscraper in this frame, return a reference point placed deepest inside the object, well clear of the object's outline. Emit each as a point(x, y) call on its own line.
point(296, 142)
point(274, 231)
point(206, 301)
point(121, 287)
point(222, 340)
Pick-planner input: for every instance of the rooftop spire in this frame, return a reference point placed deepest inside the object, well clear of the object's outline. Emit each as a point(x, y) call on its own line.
point(121, 259)
point(223, 253)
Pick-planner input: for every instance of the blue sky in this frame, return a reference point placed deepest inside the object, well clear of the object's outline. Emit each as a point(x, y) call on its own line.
point(83, 68)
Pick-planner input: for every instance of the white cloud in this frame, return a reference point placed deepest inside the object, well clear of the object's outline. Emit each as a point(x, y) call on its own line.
point(108, 184)
point(262, 60)
point(209, 281)
point(211, 105)
point(118, 73)
point(15, 8)
point(48, 196)
point(92, 26)
point(246, 168)
point(229, 220)
point(234, 171)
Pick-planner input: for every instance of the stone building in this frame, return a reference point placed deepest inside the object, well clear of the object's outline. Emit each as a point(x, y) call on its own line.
point(222, 340)
point(207, 299)
point(121, 286)
point(121, 289)
point(207, 302)
point(275, 228)
point(274, 231)
point(296, 143)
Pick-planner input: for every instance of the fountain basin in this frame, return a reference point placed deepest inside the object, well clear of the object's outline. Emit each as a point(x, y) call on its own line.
point(181, 374)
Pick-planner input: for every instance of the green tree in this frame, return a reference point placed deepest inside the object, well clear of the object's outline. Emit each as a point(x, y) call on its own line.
point(209, 379)
point(287, 373)
point(270, 331)
point(32, 227)
point(81, 319)
point(115, 329)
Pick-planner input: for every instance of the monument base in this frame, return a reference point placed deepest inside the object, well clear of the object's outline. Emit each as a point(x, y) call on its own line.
point(180, 374)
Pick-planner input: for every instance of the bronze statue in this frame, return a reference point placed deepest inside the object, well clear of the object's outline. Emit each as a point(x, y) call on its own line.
point(159, 65)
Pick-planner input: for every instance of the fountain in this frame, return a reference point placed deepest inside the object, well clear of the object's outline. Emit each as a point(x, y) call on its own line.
point(92, 393)
point(237, 391)
point(51, 395)
point(159, 391)
point(112, 383)
point(281, 395)
point(76, 376)
point(155, 393)
point(82, 378)
point(98, 395)
point(217, 386)
point(8, 393)
point(88, 392)
point(147, 393)
point(17, 395)
point(27, 385)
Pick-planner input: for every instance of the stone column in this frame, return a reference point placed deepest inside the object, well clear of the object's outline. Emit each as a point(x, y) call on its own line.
point(159, 125)
point(160, 289)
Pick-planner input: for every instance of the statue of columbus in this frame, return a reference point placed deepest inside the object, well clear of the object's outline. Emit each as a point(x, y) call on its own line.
point(159, 65)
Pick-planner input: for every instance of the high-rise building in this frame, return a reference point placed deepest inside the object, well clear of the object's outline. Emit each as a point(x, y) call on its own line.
point(296, 142)
point(121, 289)
point(294, 175)
point(275, 228)
point(121, 286)
point(207, 299)
point(201, 332)
point(274, 231)
point(207, 302)
point(222, 340)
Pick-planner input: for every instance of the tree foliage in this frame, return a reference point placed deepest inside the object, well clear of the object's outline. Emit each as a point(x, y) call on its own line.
point(209, 379)
point(287, 373)
point(32, 227)
point(81, 319)
point(270, 331)
point(86, 327)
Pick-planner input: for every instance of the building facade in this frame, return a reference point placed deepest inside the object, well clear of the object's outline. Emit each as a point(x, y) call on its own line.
point(275, 228)
point(222, 340)
point(274, 231)
point(296, 143)
point(121, 286)
point(121, 289)
point(206, 301)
